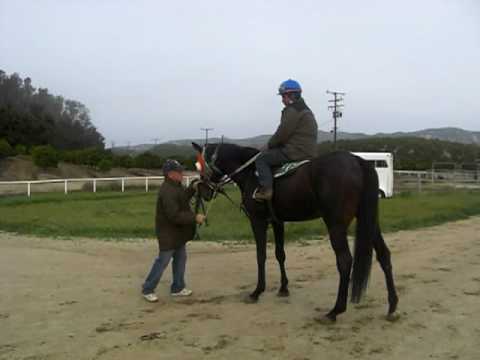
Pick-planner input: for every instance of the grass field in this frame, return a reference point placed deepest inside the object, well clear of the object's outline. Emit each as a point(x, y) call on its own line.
point(114, 215)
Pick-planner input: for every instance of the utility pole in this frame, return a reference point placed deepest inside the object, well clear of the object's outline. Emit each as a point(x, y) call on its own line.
point(155, 140)
point(206, 133)
point(337, 113)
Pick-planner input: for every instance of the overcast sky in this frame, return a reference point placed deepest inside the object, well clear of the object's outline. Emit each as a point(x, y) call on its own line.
point(164, 69)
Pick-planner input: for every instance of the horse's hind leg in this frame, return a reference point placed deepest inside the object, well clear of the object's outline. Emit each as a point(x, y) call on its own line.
point(338, 239)
point(383, 257)
point(259, 228)
point(279, 232)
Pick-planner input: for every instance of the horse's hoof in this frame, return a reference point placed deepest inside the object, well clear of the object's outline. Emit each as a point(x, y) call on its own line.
point(251, 299)
point(283, 293)
point(393, 317)
point(393, 305)
point(326, 320)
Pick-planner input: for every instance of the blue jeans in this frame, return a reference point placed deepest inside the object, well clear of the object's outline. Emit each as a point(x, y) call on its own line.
point(161, 262)
point(264, 163)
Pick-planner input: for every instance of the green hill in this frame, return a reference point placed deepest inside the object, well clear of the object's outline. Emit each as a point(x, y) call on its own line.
point(411, 153)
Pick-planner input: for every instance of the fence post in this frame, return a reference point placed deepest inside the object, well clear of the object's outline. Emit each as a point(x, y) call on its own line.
point(94, 185)
point(419, 183)
point(146, 184)
point(123, 184)
point(28, 189)
point(66, 186)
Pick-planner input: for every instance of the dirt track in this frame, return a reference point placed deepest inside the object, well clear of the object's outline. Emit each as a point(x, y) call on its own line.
point(80, 300)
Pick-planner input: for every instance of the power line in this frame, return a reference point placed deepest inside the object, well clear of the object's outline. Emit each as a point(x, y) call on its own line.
point(336, 107)
point(206, 133)
point(324, 123)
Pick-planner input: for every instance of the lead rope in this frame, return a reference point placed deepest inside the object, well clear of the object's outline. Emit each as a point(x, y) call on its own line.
point(205, 212)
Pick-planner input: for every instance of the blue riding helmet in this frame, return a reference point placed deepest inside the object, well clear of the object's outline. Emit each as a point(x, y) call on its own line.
point(171, 165)
point(289, 86)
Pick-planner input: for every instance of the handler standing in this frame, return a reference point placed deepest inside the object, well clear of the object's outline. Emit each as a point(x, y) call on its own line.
point(175, 225)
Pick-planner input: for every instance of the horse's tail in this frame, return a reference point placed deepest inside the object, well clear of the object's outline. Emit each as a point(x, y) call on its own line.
point(367, 218)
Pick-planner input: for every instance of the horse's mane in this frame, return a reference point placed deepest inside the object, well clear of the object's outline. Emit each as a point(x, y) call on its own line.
point(235, 151)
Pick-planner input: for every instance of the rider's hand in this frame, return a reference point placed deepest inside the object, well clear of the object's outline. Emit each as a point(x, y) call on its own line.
point(200, 219)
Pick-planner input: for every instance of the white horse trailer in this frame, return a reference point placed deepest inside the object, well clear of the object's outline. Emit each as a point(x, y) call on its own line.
point(383, 163)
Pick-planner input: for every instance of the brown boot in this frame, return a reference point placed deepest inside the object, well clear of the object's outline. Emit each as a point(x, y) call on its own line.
point(264, 194)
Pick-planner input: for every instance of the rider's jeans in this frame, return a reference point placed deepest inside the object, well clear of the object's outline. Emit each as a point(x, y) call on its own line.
point(267, 159)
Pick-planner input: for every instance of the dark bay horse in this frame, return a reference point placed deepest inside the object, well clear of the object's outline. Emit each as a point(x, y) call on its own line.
point(337, 187)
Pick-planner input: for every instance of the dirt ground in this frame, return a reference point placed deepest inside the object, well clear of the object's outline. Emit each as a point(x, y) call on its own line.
point(80, 299)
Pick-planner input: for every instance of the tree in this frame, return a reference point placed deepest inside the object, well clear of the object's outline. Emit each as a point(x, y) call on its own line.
point(5, 149)
point(32, 117)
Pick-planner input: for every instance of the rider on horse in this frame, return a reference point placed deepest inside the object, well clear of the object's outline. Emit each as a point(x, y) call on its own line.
point(294, 140)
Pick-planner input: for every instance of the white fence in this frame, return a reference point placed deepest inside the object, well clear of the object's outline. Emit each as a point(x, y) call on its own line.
point(404, 180)
point(67, 183)
point(436, 180)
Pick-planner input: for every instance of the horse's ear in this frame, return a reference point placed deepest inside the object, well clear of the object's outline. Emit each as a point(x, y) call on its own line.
point(197, 147)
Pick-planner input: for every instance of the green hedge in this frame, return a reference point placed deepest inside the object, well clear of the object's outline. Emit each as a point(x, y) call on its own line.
point(45, 156)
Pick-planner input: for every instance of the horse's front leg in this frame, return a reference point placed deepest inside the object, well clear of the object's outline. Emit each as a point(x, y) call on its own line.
point(279, 232)
point(259, 228)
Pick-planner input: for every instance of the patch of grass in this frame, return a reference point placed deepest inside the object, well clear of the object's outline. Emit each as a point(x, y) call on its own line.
point(427, 209)
point(115, 215)
point(104, 215)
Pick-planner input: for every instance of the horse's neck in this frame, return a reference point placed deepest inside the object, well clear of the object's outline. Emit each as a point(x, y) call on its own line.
point(246, 180)
point(246, 175)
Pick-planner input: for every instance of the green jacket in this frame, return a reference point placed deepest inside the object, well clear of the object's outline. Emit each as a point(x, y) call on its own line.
point(174, 219)
point(297, 133)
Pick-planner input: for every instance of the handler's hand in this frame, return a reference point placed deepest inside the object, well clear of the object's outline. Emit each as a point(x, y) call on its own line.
point(194, 184)
point(200, 218)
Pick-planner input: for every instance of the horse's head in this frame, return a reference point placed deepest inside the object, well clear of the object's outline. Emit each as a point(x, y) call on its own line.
point(209, 162)
point(205, 190)
point(218, 164)
point(210, 173)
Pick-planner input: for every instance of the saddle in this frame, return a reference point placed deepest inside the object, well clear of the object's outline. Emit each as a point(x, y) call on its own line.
point(287, 168)
point(280, 171)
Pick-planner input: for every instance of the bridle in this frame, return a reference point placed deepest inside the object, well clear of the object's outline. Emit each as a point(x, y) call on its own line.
point(217, 187)
point(211, 168)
